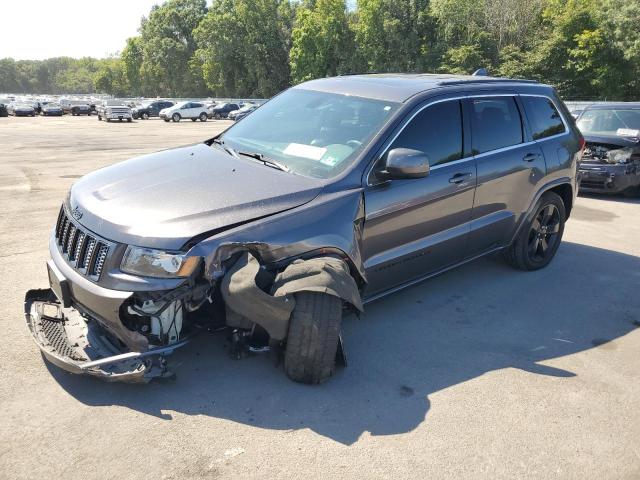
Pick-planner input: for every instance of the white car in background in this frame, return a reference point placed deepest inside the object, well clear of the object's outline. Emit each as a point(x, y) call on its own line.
point(192, 110)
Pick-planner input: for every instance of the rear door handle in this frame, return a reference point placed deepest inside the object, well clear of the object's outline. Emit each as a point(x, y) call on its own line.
point(458, 178)
point(530, 157)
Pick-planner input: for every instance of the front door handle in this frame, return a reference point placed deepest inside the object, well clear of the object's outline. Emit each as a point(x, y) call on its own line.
point(459, 178)
point(530, 157)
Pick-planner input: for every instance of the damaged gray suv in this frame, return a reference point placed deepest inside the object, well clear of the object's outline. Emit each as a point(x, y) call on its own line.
point(334, 193)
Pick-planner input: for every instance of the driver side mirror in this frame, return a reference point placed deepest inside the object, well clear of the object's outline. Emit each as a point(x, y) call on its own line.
point(404, 163)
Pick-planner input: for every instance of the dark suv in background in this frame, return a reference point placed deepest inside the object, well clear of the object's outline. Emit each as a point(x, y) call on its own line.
point(150, 109)
point(334, 193)
point(222, 110)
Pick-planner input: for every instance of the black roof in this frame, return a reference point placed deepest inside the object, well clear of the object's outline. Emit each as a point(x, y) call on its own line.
point(398, 87)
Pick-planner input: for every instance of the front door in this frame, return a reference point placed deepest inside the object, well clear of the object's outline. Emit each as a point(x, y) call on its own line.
point(414, 227)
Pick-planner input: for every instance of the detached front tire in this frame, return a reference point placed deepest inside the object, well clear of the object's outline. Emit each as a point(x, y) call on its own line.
point(312, 342)
point(539, 239)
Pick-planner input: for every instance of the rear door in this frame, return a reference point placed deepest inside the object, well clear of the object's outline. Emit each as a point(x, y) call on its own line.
point(509, 164)
point(414, 227)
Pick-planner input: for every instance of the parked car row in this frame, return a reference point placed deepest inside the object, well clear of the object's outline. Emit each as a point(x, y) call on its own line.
point(194, 111)
point(31, 108)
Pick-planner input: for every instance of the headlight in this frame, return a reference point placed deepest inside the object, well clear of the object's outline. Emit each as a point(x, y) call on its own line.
point(621, 155)
point(157, 263)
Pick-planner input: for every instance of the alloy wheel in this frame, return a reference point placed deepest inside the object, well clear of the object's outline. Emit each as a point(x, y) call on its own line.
point(543, 235)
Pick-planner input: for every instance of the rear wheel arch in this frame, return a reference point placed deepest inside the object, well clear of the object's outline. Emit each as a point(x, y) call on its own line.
point(565, 192)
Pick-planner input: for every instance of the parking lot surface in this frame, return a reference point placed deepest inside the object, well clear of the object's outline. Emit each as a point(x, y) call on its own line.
point(483, 372)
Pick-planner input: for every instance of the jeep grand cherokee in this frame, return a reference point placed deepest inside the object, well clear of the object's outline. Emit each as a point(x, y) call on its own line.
point(334, 193)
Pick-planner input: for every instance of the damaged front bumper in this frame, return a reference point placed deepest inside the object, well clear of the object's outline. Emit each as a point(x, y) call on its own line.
point(80, 345)
point(600, 177)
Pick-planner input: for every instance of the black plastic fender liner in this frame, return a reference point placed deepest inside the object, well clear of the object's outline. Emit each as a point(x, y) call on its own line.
point(247, 303)
point(81, 346)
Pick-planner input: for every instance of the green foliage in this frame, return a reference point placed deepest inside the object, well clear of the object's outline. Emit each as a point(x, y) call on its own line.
point(588, 49)
point(243, 47)
point(463, 60)
point(322, 43)
point(395, 35)
point(166, 47)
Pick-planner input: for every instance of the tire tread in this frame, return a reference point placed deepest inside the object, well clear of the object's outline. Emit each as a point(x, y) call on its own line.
point(312, 342)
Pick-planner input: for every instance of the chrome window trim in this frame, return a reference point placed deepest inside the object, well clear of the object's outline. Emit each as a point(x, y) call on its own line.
point(480, 155)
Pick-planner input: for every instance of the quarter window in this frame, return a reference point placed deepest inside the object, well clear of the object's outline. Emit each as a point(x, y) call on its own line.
point(543, 116)
point(436, 131)
point(496, 123)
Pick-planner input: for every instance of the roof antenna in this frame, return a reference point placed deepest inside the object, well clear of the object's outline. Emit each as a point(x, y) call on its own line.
point(481, 72)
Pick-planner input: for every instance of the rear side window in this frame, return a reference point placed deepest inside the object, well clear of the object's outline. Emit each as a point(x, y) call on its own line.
point(196, 105)
point(436, 131)
point(496, 123)
point(543, 116)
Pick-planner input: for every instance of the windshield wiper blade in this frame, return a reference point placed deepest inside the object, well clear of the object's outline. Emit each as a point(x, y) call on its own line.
point(267, 161)
point(229, 150)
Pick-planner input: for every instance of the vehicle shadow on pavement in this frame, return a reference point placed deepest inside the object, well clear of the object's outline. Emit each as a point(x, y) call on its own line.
point(450, 329)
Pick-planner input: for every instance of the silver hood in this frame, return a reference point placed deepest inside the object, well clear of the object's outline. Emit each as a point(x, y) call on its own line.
point(165, 199)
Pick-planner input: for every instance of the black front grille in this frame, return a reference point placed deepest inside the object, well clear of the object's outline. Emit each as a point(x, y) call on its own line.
point(84, 251)
point(593, 184)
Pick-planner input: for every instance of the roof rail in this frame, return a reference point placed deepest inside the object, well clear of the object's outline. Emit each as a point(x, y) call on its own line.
point(485, 80)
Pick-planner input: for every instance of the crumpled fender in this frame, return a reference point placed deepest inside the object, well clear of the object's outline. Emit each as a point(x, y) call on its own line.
point(328, 275)
point(329, 224)
point(247, 303)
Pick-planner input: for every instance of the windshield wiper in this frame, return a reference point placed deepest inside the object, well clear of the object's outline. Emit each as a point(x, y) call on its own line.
point(267, 161)
point(229, 150)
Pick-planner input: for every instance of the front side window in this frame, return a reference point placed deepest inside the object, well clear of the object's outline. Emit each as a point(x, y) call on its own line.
point(436, 131)
point(496, 123)
point(543, 116)
point(312, 133)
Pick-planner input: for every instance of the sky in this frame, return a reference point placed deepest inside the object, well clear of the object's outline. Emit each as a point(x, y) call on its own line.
point(37, 29)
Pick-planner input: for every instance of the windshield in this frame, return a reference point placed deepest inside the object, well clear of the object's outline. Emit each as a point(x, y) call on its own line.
point(620, 122)
point(312, 133)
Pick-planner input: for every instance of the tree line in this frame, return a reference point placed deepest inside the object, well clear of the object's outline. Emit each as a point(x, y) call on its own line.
point(588, 49)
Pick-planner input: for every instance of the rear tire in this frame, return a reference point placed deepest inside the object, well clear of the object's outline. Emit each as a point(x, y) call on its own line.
point(203, 117)
point(540, 237)
point(312, 342)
